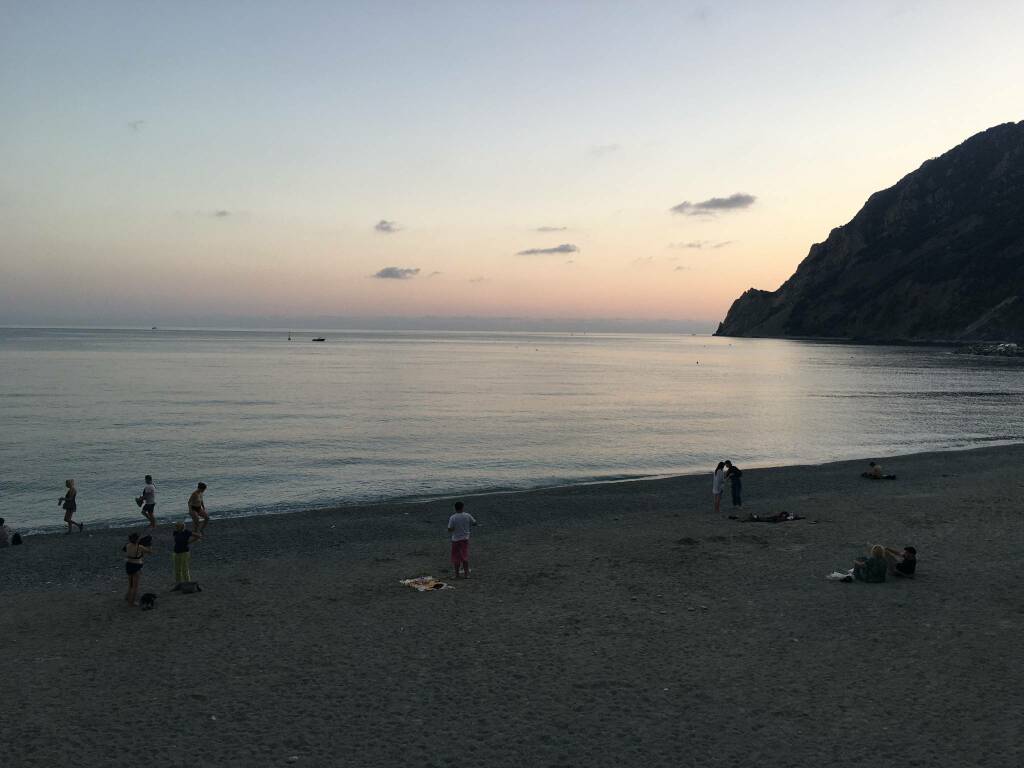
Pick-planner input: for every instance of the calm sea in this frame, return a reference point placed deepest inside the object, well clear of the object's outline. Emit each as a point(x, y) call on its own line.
point(272, 425)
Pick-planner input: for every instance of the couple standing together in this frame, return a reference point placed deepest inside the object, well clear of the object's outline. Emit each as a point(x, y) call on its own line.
point(725, 471)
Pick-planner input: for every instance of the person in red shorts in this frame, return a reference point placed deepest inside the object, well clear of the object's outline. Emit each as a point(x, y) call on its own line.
point(458, 526)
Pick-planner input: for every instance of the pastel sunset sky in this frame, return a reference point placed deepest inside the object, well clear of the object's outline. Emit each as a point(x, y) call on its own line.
point(539, 159)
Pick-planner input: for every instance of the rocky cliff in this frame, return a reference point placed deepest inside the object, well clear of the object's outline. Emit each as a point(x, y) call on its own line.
point(937, 257)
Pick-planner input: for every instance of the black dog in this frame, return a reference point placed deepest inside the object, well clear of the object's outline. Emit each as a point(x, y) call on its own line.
point(147, 602)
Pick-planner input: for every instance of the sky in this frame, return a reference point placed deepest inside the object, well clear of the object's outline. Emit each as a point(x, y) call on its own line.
point(556, 159)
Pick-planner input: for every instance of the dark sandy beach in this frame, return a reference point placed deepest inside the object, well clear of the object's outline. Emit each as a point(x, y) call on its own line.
point(605, 625)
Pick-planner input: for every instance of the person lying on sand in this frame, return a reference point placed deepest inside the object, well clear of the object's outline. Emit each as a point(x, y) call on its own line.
point(875, 472)
point(779, 517)
point(873, 568)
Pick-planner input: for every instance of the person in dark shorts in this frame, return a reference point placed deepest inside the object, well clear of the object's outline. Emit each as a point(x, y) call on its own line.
point(134, 551)
point(149, 501)
point(458, 526)
point(197, 509)
point(70, 503)
point(735, 477)
point(902, 563)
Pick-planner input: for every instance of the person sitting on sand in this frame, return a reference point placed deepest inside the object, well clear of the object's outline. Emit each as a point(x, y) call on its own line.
point(872, 569)
point(134, 551)
point(901, 563)
point(874, 471)
point(181, 555)
point(458, 526)
point(197, 509)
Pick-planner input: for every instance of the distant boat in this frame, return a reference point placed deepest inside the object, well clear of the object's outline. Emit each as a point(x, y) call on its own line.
point(153, 328)
point(289, 335)
point(319, 338)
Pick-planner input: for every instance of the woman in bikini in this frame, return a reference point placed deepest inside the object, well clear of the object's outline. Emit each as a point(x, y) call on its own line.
point(134, 551)
point(68, 501)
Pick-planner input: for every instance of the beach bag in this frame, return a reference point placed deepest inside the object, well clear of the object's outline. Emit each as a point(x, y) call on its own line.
point(190, 587)
point(16, 540)
point(139, 501)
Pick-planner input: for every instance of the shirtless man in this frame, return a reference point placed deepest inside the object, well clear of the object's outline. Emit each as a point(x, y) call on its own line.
point(197, 509)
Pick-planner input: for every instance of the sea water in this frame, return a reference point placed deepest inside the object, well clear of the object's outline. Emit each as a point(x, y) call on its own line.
point(273, 425)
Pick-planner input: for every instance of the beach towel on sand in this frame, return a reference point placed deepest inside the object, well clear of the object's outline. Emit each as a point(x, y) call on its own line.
point(425, 583)
point(781, 517)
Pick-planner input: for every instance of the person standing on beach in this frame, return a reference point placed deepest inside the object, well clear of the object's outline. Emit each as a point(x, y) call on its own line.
point(197, 509)
point(735, 477)
point(718, 485)
point(134, 551)
point(458, 526)
point(149, 501)
point(182, 556)
point(5, 534)
point(70, 503)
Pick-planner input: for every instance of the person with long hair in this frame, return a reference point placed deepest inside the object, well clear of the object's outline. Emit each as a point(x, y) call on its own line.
point(70, 503)
point(134, 551)
point(873, 568)
point(718, 485)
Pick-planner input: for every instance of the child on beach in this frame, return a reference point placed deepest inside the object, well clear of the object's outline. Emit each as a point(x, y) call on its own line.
point(459, 525)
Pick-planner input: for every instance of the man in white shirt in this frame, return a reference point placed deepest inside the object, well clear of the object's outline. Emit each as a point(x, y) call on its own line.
point(149, 501)
point(459, 525)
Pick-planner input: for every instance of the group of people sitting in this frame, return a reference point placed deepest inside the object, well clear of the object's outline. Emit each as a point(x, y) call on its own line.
point(884, 561)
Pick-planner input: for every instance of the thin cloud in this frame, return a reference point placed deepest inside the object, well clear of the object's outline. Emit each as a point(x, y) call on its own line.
point(642, 261)
point(681, 269)
point(397, 273)
point(715, 205)
point(387, 227)
point(435, 273)
point(477, 280)
point(221, 214)
point(563, 248)
point(550, 229)
point(136, 125)
point(603, 150)
point(699, 244)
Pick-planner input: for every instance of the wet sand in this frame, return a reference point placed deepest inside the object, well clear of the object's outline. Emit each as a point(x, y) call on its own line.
point(605, 625)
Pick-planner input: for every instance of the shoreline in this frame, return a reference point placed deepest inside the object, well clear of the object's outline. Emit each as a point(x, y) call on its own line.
point(605, 625)
point(119, 525)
